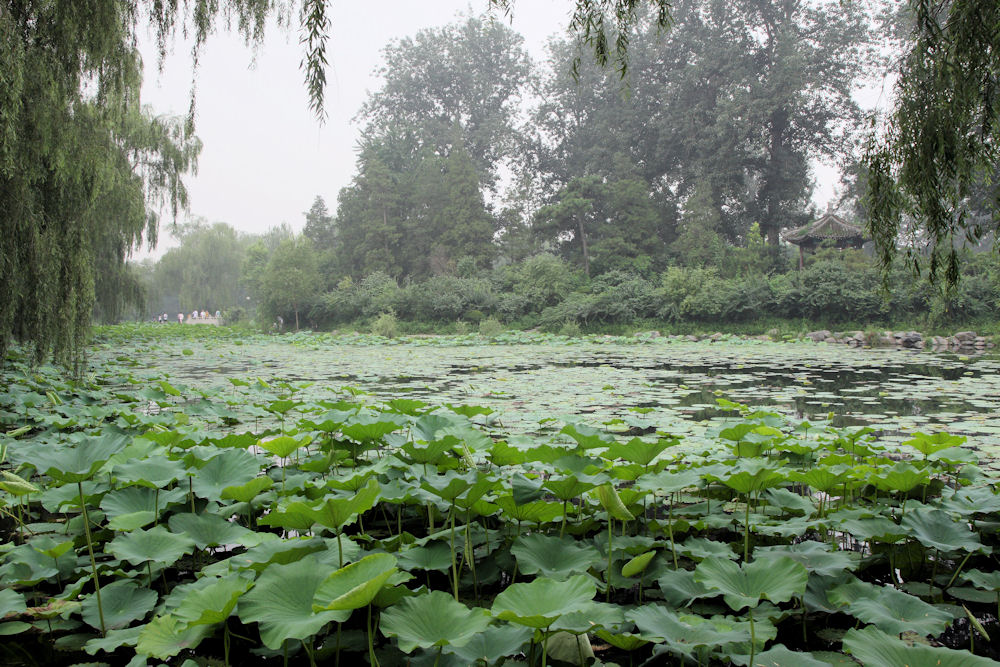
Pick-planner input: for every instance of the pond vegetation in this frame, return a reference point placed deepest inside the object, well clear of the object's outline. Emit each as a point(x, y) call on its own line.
point(274, 521)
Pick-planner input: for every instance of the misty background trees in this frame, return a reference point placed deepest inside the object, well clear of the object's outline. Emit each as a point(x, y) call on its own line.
point(475, 160)
point(489, 185)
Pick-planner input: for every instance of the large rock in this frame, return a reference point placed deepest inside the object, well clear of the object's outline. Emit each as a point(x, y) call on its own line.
point(817, 336)
point(911, 339)
point(966, 336)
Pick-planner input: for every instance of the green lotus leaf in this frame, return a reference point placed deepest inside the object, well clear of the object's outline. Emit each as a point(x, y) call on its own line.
point(156, 544)
point(139, 499)
point(78, 463)
point(166, 636)
point(15, 485)
point(154, 472)
point(637, 564)
point(432, 619)
point(448, 486)
point(590, 616)
point(355, 585)
point(816, 556)
point(366, 428)
point(282, 445)
point(281, 602)
point(11, 602)
point(679, 587)
point(587, 437)
point(936, 442)
point(751, 475)
point(553, 557)
point(775, 579)
point(539, 603)
point(897, 612)
point(432, 452)
point(113, 640)
point(640, 451)
point(129, 522)
point(212, 603)
point(231, 468)
point(780, 656)
point(568, 488)
point(244, 493)
point(934, 528)
point(537, 511)
point(700, 548)
point(612, 502)
point(123, 601)
point(875, 648)
point(986, 580)
point(211, 530)
point(432, 556)
point(335, 513)
point(626, 641)
point(822, 478)
point(902, 477)
point(683, 634)
point(492, 644)
point(669, 481)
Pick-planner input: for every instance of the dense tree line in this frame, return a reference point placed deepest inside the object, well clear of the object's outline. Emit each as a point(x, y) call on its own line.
point(473, 156)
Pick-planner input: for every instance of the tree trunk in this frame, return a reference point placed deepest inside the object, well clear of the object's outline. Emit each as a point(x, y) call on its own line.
point(583, 244)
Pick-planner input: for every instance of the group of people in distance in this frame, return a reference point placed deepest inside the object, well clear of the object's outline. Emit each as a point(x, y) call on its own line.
point(195, 315)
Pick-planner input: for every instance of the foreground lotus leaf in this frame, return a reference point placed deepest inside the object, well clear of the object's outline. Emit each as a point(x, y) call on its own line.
point(491, 644)
point(875, 648)
point(78, 463)
point(780, 656)
point(897, 612)
point(934, 528)
point(355, 585)
point(166, 636)
point(281, 603)
point(156, 544)
point(432, 619)
point(539, 603)
point(553, 557)
point(231, 468)
point(212, 603)
point(210, 530)
point(775, 579)
point(123, 601)
point(683, 634)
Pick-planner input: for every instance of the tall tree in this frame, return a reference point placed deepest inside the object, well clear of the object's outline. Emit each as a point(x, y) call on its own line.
point(466, 76)
point(82, 168)
point(290, 279)
point(741, 94)
point(320, 227)
point(203, 272)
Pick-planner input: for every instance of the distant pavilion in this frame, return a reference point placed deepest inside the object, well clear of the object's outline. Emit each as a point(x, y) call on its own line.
point(830, 227)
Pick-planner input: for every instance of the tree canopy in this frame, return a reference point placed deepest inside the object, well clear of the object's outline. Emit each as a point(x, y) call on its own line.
point(930, 173)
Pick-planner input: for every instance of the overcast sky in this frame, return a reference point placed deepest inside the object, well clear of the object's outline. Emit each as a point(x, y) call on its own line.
point(265, 156)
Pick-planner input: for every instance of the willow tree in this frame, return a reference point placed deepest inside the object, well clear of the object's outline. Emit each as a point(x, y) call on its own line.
point(941, 144)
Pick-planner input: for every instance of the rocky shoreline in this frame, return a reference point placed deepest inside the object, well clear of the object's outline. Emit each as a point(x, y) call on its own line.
point(962, 341)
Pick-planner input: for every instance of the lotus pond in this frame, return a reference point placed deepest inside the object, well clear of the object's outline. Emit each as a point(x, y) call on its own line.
point(210, 499)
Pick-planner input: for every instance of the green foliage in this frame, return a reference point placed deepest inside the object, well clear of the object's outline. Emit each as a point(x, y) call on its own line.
point(925, 174)
point(386, 325)
point(490, 328)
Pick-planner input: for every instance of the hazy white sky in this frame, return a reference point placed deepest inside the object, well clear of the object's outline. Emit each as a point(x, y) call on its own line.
point(265, 156)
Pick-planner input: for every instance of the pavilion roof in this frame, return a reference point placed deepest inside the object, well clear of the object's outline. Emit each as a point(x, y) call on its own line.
point(830, 226)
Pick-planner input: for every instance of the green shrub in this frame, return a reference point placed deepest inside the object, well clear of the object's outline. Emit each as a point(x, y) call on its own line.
point(569, 328)
point(461, 328)
point(490, 328)
point(386, 325)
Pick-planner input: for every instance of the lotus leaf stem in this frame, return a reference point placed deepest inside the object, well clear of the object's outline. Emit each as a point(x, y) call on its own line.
point(93, 562)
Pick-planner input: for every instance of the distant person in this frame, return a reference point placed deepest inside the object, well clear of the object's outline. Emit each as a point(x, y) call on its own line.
point(218, 314)
point(180, 318)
